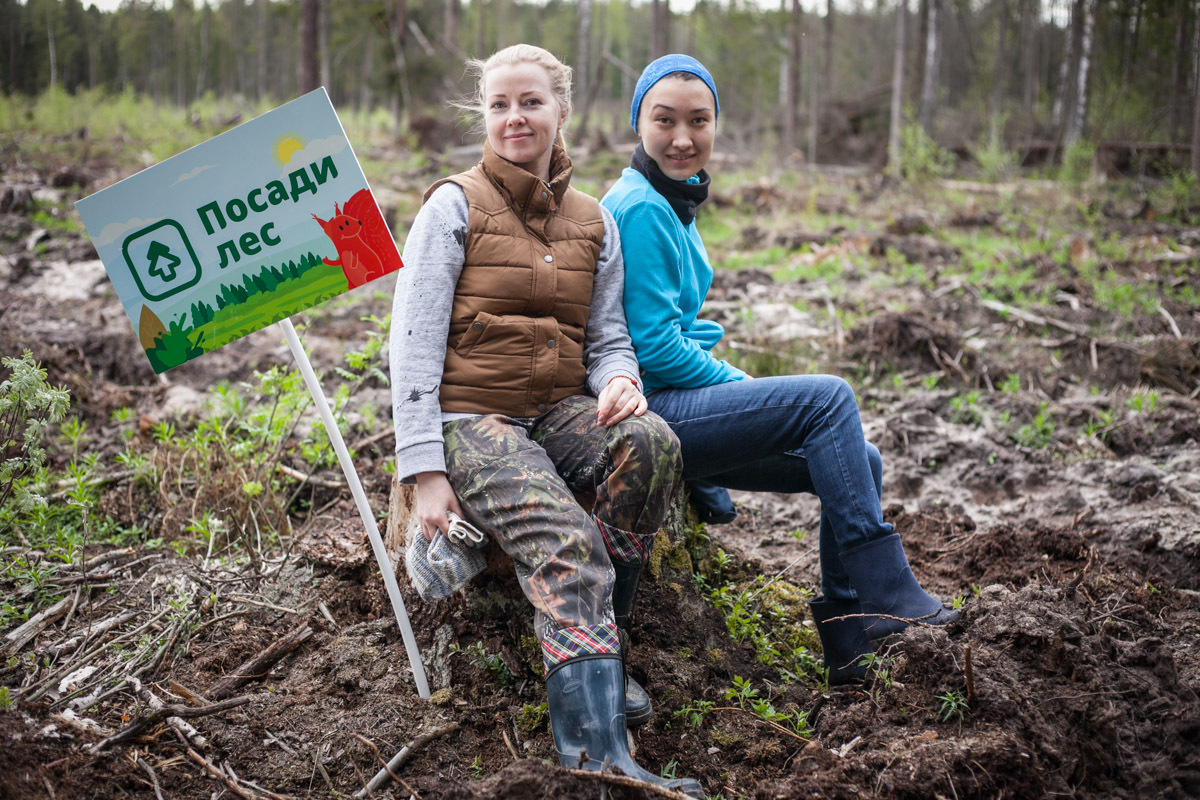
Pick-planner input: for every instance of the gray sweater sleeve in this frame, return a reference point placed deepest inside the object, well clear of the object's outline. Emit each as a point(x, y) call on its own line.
point(607, 348)
point(433, 261)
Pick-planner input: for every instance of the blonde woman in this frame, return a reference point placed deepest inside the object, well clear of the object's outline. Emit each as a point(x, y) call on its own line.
point(515, 389)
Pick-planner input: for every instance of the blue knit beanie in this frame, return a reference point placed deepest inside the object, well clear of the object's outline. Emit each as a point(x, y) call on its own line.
point(660, 68)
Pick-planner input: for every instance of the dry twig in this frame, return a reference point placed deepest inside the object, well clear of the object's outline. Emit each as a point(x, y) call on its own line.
point(509, 744)
point(624, 780)
point(388, 772)
point(184, 729)
point(260, 665)
point(135, 728)
point(774, 725)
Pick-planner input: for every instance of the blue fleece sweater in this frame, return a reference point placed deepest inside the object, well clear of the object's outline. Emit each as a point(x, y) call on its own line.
point(667, 276)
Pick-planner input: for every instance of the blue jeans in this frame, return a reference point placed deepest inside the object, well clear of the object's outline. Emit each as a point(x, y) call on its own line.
point(795, 433)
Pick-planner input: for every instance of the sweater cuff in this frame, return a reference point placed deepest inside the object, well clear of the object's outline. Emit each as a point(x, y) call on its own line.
point(597, 381)
point(423, 457)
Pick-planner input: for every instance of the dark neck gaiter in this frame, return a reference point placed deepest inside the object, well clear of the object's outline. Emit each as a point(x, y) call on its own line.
point(684, 197)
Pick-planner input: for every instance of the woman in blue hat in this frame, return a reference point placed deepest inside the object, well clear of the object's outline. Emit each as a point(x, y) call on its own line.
point(795, 433)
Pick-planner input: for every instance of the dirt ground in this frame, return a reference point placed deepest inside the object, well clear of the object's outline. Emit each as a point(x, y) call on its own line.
point(1075, 562)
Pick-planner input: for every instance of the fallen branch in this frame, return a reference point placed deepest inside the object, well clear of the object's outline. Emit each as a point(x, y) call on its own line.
point(1032, 319)
point(309, 478)
point(15, 640)
point(379, 758)
point(231, 783)
point(262, 604)
point(135, 728)
point(258, 666)
point(388, 772)
point(182, 727)
point(153, 778)
point(1170, 321)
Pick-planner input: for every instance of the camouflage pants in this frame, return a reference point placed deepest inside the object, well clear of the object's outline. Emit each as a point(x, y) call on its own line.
point(518, 479)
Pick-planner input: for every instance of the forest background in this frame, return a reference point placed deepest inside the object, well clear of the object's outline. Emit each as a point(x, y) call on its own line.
point(1000, 82)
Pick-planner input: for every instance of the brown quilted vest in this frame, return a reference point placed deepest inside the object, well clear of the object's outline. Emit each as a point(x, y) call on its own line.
point(521, 304)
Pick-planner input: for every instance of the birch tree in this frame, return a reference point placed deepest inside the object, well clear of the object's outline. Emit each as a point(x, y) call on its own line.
point(897, 91)
point(1064, 71)
point(1079, 109)
point(933, 57)
point(792, 105)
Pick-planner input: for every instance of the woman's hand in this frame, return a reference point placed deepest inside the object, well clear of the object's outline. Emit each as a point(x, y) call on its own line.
point(435, 497)
point(618, 400)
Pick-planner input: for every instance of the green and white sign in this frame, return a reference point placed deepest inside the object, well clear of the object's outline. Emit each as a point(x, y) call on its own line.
point(244, 230)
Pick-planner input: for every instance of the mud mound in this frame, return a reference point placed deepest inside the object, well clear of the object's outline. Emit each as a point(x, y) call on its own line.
point(910, 341)
point(1072, 690)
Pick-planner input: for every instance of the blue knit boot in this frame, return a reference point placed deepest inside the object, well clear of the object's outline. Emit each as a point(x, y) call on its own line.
point(886, 585)
point(844, 641)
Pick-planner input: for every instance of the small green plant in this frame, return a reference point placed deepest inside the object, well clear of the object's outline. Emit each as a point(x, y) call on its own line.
point(533, 718)
point(958, 601)
point(1077, 163)
point(28, 407)
point(965, 409)
point(476, 767)
point(1011, 384)
point(996, 164)
point(668, 770)
point(1098, 427)
point(7, 701)
point(953, 705)
point(879, 668)
point(800, 534)
point(1143, 402)
point(742, 692)
point(480, 658)
point(930, 382)
point(693, 714)
point(921, 158)
point(1039, 432)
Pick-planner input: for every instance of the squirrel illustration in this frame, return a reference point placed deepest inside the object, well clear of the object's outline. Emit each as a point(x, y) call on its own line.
point(365, 250)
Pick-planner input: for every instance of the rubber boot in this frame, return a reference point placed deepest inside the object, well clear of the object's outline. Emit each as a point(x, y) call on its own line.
point(885, 584)
point(844, 640)
point(587, 714)
point(638, 709)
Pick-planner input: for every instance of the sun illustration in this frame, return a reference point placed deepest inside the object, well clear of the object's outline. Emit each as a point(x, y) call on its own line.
point(285, 146)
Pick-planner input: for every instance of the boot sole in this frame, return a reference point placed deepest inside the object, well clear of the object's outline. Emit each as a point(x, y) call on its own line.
point(639, 718)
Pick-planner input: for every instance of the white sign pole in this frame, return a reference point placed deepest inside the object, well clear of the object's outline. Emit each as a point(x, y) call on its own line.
point(360, 499)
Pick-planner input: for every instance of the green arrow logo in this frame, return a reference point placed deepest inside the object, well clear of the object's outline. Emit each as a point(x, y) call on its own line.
point(162, 261)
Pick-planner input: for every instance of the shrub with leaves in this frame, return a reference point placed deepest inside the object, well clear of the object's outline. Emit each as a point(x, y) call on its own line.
point(921, 158)
point(28, 407)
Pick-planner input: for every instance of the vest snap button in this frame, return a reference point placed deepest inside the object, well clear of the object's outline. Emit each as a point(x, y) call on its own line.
point(549, 259)
point(550, 343)
point(544, 195)
point(541, 408)
point(477, 326)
